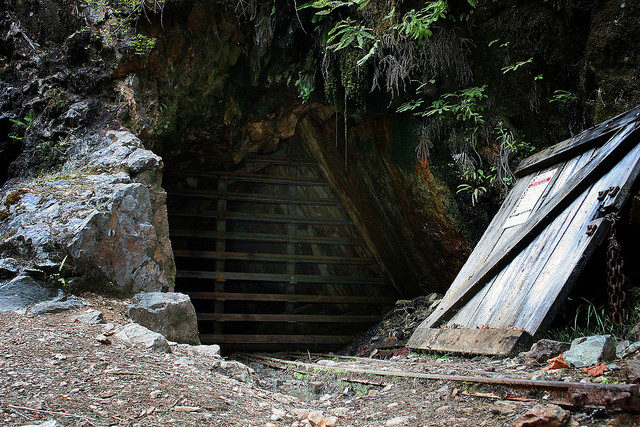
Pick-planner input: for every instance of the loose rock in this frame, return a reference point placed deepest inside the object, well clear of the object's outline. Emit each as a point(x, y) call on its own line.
point(91, 317)
point(546, 349)
point(234, 369)
point(22, 292)
point(544, 415)
point(590, 351)
point(56, 305)
point(168, 313)
point(135, 334)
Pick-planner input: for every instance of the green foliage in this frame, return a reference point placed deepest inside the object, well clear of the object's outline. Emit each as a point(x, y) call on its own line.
point(465, 105)
point(305, 85)
point(120, 30)
point(563, 97)
point(417, 24)
point(515, 66)
point(347, 33)
point(26, 123)
point(590, 319)
point(478, 182)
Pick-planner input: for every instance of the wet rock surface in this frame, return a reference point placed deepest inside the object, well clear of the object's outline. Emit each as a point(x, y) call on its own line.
point(170, 314)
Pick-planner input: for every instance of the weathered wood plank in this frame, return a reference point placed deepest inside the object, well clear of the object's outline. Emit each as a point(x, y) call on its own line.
point(269, 277)
point(254, 197)
point(590, 138)
point(265, 237)
point(609, 154)
point(271, 257)
point(301, 318)
point(273, 339)
point(253, 177)
point(504, 291)
point(494, 342)
point(293, 298)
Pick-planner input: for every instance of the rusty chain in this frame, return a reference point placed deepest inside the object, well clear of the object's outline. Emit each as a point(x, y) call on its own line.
point(615, 277)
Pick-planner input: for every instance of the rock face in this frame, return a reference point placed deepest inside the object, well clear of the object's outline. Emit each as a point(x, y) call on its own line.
point(22, 292)
point(590, 351)
point(138, 335)
point(105, 213)
point(170, 314)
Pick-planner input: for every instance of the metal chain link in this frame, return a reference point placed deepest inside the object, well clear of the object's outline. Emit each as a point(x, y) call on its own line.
point(615, 277)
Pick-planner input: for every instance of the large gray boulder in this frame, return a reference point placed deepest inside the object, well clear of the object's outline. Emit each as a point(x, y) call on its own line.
point(168, 313)
point(22, 292)
point(137, 335)
point(105, 214)
point(589, 351)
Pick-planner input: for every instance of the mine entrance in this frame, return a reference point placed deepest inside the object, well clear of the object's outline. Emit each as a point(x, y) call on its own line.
point(270, 257)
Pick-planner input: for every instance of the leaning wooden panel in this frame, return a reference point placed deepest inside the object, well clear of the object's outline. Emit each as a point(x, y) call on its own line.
point(534, 249)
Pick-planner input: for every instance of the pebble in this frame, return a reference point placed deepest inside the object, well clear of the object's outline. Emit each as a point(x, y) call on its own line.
point(397, 421)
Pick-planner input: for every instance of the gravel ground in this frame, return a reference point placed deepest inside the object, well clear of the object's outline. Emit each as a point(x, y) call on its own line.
point(52, 367)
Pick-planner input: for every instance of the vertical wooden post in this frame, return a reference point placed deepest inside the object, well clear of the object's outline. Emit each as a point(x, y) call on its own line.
point(292, 210)
point(221, 227)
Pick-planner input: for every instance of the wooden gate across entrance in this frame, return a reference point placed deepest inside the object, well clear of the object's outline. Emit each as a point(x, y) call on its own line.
point(269, 256)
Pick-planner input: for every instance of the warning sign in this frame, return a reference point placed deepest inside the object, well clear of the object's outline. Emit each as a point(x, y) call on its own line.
point(529, 199)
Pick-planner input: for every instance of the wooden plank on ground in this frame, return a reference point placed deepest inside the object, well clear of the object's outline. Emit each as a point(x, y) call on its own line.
point(495, 342)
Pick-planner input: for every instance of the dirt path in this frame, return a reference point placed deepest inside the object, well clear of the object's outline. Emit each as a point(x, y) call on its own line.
point(52, 367)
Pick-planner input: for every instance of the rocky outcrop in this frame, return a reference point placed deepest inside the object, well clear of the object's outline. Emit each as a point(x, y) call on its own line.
point(170, 314)
point(104, 215)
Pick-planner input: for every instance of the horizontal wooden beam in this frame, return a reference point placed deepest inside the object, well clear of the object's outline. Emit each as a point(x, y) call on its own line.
point(292, 298)
point(290, 278)
point(281, 161)
point(253, 217)
point(253, 177)
point(271, 257)
point(273, 339)
point(254, 197)
point(265, 237)
point(302, 318)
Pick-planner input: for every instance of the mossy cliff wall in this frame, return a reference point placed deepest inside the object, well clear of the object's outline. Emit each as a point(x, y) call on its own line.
point(220, 83)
